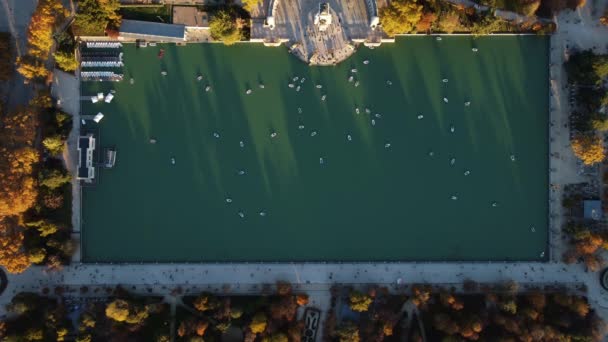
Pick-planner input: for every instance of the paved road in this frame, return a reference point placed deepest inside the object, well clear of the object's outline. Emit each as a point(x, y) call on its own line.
point(14, 18)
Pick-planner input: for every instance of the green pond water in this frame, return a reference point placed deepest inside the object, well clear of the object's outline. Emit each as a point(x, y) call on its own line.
point(365, 202)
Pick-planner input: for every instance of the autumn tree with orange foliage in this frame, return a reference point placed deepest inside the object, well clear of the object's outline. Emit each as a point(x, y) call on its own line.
point(501, 312)
point(537, 317)
point(201, 327)
point(18, 128)
point(426, 22)
point(40, 31)
point(40, 38)
point(192, 326)
point(449, 22)
point(26, 195)
point(302, 299)
point(18, 188)
point(593, 262)
point(283, 288)
point(589, 244)
point(17, 185)
point(12, 256)
point(604, 19)
point(450, 300)
point(537, 300)
point(421, 294)
point(35, 318)
point(272, 318)
point(18, 169)
point(588, 148)
point(31, 68)
point(586, 244)
point(283, 308)
point(577, 304)
point(206, 301)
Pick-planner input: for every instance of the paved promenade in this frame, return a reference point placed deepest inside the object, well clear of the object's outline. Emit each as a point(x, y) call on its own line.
point(163, 278)
point(66, 90)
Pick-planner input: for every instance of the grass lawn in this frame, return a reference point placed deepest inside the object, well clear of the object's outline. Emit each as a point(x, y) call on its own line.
point(147, 13)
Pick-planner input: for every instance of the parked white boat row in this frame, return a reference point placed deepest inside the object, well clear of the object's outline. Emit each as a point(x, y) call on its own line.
point(103, 45)
point(103, 64)
point(100, 76)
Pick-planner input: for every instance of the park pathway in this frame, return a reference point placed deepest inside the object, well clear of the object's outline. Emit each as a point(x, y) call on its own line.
point(311, 278)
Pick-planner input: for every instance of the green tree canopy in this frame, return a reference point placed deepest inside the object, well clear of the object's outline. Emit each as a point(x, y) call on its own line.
point(53, 178)
point(600, 124)
point(586, 67)
point(248, 5)
point(487, 24)
point(66, 60)
point(600, 66)
point(62, 118)
point(94, 16)
point(223, 27)
point(54, 144)
point(25, 302)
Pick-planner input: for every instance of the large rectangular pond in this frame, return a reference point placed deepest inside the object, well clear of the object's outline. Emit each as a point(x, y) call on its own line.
point(394, 184)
